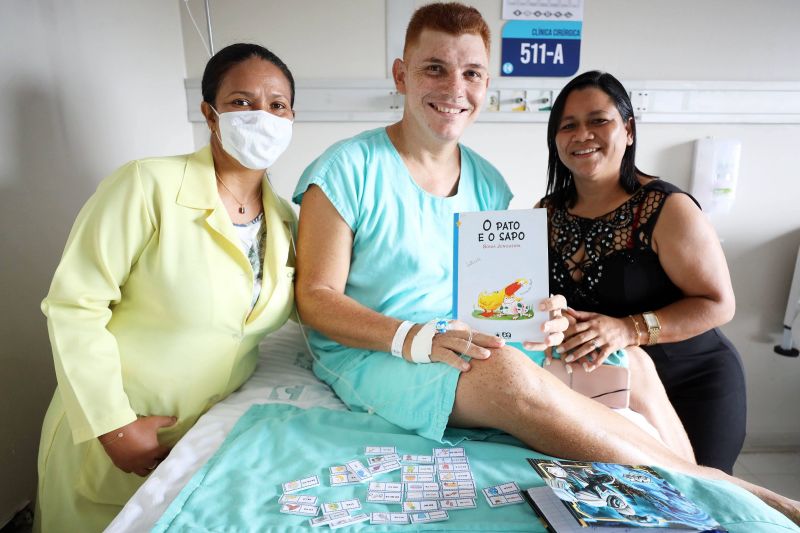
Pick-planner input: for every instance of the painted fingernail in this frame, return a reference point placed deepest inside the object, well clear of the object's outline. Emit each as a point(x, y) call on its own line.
point(547, 362)
point(585, 367)
point(570, 358)
point(569, 368)
point(560, 349)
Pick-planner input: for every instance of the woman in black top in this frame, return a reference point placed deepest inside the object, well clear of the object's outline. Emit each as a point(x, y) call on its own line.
point(640, 265)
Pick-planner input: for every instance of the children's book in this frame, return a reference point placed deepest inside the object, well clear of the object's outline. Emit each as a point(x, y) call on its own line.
point(584, 496)
point(500, 272)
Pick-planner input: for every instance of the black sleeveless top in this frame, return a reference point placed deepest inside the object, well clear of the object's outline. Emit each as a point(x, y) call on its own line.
point(619, 274)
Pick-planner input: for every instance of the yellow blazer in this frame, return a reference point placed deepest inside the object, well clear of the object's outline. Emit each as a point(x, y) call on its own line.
point(149, 309)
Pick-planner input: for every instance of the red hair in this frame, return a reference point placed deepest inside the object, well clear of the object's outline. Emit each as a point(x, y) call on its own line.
point(452, 18)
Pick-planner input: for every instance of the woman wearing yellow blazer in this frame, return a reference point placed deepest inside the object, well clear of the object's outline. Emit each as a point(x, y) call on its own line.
point(174, 271)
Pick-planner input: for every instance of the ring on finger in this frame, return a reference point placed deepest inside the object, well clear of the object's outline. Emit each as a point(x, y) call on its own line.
point(596, 345)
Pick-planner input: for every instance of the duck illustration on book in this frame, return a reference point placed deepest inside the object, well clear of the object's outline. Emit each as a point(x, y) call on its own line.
point(506, 303)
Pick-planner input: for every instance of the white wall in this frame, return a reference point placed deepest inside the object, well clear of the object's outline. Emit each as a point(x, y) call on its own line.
point(676, 40)
point(86, 85)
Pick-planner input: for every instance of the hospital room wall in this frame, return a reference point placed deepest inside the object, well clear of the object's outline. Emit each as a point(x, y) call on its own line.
point(86, 86)
point(676, 40)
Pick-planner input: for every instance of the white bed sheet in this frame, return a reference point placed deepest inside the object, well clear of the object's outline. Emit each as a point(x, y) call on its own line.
point(283, 375)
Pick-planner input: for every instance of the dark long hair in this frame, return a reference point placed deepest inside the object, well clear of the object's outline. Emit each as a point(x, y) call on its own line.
point(561, 190)
point(229, 57)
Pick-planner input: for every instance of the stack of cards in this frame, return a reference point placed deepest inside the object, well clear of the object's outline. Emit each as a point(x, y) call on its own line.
point(505, 494)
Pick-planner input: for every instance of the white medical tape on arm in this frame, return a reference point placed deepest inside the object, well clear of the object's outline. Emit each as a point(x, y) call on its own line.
point(422, 343)
point(400, 338)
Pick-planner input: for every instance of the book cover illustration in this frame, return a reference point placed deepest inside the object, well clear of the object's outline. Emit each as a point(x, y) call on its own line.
point(501, 272)
point(607, 494)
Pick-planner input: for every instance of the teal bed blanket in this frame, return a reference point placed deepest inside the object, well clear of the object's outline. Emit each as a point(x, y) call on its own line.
point(238, 489)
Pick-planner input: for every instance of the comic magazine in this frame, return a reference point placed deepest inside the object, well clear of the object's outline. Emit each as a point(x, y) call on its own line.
point(591, 496)
point(500, 272)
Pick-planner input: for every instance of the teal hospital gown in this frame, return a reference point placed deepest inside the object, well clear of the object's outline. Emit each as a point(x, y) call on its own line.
point(401, 266)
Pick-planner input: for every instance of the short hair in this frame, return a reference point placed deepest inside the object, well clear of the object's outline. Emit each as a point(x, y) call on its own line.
point(230, 56)
point(452, 18)
point(560, 183)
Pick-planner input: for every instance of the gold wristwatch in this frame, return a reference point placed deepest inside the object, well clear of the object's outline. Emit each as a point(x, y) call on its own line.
point(653, 327)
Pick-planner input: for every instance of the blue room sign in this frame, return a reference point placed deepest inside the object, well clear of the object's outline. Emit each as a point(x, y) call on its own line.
point(541, 48)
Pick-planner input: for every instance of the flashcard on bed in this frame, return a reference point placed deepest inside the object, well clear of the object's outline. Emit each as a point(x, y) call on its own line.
point(358, 470)
point(378, 459)
point(434, 516)
point(417, 487)
point(456, 493)
point(411, 478)
point(344, 505)
point(300, 484)
point(456, 459)
point(303, 510)
point(458, 485)
point(461, 503)
point(326, 519)
point(348, 521)
point(422, 505)
point(379, 450)
point(423, 495)
point(449, 452)
point(505, 488)
point(296, 498)
point(453, 467)
point(417, 459)
point(383, 468)
point(338, 469)
point(419, 469)
point(339, 480)
point(383, 486)
point(389, 518)
point(455, 476)
point(379, 496)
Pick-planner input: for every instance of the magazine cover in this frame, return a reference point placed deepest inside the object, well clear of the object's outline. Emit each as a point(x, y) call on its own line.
point(500, 272)
point(608, 494)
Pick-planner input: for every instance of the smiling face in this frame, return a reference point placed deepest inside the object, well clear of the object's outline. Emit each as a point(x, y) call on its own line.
point(444, 79)
point(253, 84)
point(591, 138)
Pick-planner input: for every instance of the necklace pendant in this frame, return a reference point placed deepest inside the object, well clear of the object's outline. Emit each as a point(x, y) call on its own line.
point(241, 210)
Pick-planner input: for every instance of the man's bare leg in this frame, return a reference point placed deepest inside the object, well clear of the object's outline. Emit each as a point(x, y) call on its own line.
point(649, 398)
point(510, 392)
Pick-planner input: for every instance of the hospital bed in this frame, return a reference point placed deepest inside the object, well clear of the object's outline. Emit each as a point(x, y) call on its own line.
point(226, 473)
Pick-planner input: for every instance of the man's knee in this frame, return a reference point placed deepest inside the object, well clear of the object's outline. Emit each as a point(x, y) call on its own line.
point(511, 380)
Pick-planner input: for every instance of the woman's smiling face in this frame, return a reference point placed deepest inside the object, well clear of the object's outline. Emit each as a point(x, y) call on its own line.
point(592, 138)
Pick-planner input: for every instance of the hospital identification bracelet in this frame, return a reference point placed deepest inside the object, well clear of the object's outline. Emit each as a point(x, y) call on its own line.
point(400, 338)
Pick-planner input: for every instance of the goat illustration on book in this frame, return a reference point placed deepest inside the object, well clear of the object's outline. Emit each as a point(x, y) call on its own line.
point(506, 303)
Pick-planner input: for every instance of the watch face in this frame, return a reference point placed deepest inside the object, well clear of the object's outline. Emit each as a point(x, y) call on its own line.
point(651, 320)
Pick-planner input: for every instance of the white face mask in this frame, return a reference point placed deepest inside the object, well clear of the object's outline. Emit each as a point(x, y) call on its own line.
point(254, 138)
